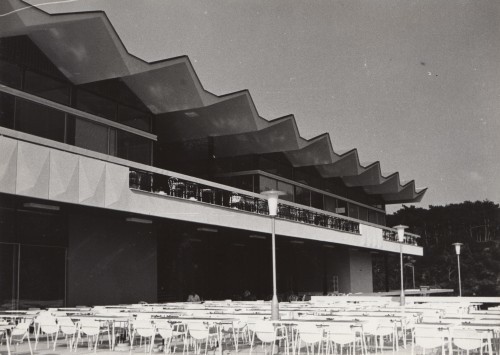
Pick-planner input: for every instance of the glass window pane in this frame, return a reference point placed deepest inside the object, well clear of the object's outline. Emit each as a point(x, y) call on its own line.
point(40, 120)
point(330, 203)
point(341, 207)
point(363, 213)
point(133, 147)
point(47, 87)
point(10, 74)
point(6, 110)
point(42, 277)
point(353, 210)
point(287, 189)
point(302, 196)
point(134, 118)
point(381, 219)
point(372, 216)
point(244, 182)
point(266, 184)
point(88, 135)
point(316, 200)
point(8, 276)
point(96, 105)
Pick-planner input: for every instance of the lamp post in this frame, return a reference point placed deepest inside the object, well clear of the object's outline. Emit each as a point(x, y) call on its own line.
point(457, 251)
point(272, 202)
point(410, 264)
point(401, 237)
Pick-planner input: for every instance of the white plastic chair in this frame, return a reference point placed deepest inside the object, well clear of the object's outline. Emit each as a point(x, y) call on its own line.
point(381, 330)
point(268, 333)
point(344, 334)
point(200, 332)
point(429, 338)
point(310, 334)
point(69, 329)
point(92, 329)
point(169, 332)
point(47, 324)
point(145, 329)
point(470, 339)
point(19, 332)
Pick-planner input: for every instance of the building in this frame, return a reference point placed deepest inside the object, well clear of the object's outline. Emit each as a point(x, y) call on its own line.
point(126, 181)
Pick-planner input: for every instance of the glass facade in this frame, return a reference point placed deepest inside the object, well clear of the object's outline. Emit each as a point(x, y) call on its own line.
point(24, 67)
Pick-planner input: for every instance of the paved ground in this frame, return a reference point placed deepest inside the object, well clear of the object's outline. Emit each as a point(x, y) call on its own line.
point(103, 349)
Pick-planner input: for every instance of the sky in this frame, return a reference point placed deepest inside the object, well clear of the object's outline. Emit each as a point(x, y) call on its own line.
point(412, 84)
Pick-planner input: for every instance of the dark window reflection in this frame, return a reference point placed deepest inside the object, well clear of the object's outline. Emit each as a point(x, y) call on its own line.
point(47, 87)
point(134, 118)
point(316, 200)
point(353, 210)
point(10, 74)
point(42, 276)
point(96, 105)
point(288, 190)
point(302, 196)
point(39, 120)
point(88, 135)
point(7, 110)
point(132, 147)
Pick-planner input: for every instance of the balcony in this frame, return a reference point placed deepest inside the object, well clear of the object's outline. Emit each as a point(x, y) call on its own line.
point(184, 188)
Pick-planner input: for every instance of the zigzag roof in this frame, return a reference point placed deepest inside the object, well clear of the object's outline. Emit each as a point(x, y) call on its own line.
point(86, 48)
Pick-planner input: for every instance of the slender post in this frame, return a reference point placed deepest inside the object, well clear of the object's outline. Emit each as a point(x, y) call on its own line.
point(413, 272)
point(275, 311)
point(457, 251)
point(401, 238)
point(459, 276)
point(402, 293)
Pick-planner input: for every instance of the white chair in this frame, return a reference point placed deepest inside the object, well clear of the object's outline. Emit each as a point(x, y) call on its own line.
point(93, 329)
point(381, 331)
point(19, 332)
point(309, 334)
point(69, 329)
point(429, 338)
point(235, 330)
point(267, 333)
point(344, 334)
point(200, 332)
point(145, 329)
point(470, 339)
point(169, 333)
point(47, 324)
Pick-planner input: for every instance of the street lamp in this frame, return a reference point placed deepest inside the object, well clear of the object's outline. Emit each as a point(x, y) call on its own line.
point(410, 264)
point(401, 237)
point(457, 250)
point(272, 202)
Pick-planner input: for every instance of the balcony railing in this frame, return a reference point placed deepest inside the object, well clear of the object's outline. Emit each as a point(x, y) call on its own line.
point(197, 191)
point(392, 236)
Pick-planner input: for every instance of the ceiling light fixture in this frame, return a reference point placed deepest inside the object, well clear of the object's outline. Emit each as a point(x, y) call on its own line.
point(207, 229)
point(139, 220)
point(41, 206)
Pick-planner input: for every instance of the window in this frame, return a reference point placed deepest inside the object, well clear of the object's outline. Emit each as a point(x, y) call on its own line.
point(133, 147)
point(353, 210)
point(266, 184)
point(287, 189)
point(330, 204)
point(6, 110)
point(334, 286)
point(88, 135)
point(39, 120)
point(341, 207)
point(46, 87)
point(302, 196)
point(95, 105)
point(134, 118)
point(316, 200)
point(10, 74)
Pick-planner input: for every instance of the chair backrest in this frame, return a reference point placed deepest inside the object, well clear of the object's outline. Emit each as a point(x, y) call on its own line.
point(20, 330)
point(429, 338)
point(90, 326)
point(341, 333)
point(468, 339)
point(144, 327)
point(66, 325)
point(264, 330)
point(164, 328)
point(310, 332)
point(48, 324)
point(197, 330)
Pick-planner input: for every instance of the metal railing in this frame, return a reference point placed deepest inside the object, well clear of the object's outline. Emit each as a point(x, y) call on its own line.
point(196, 191)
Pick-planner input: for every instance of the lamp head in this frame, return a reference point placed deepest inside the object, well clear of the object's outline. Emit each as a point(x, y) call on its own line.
point(401, 232)
point(272, 200)
point(457, 247)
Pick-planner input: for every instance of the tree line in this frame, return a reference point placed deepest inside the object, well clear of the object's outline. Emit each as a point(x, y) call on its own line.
point(474, 224)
